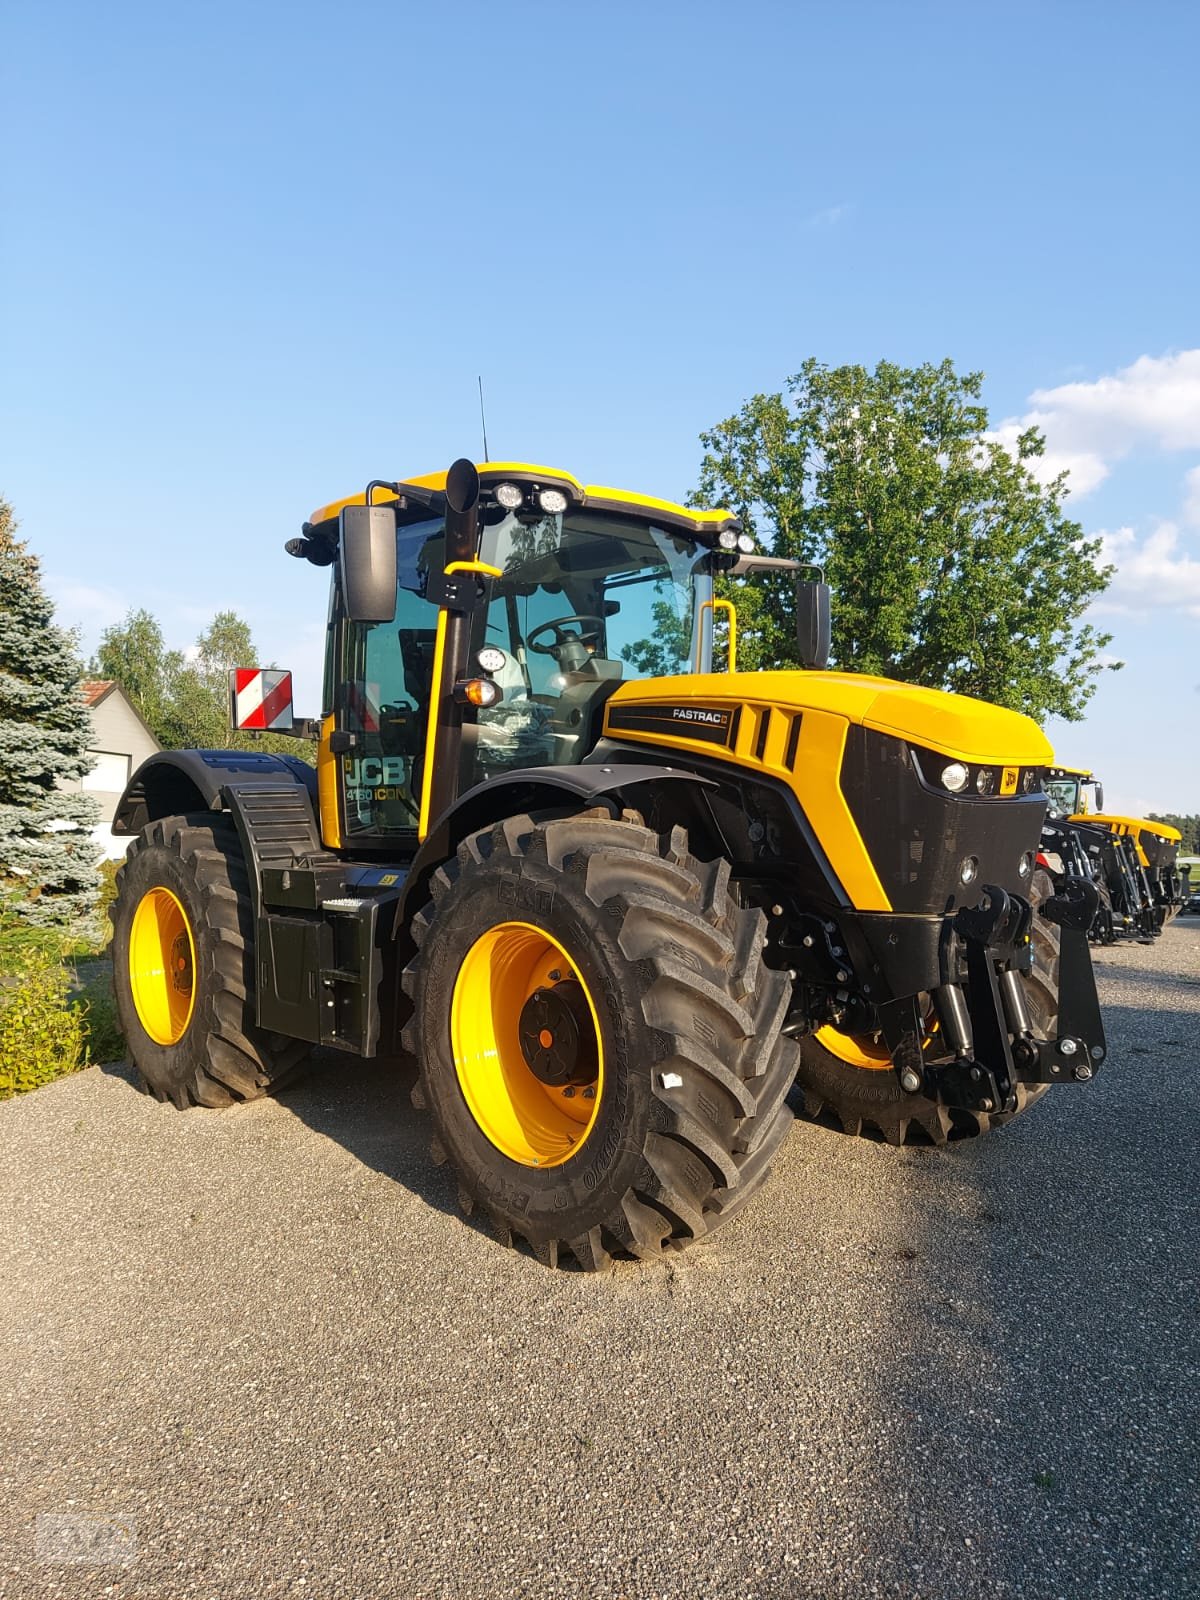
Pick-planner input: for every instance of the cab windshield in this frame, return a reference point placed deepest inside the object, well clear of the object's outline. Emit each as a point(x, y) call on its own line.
point(585, 600)
point(1073, 797)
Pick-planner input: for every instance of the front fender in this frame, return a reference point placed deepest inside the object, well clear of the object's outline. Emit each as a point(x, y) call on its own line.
point(532, 789)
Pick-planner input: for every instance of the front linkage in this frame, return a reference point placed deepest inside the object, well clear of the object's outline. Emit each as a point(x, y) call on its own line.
point(982, 1009)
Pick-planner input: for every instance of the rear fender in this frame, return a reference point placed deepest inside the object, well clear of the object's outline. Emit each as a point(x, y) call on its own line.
point(174, 782)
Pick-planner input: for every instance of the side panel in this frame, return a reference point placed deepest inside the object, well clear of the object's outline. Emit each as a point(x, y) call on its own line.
point(803, 748)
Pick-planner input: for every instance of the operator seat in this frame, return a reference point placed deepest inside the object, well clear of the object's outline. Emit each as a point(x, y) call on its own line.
point(579, 703)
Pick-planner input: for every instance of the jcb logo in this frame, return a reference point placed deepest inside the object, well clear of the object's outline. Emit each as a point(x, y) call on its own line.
point(1008, 780)
point(370, 772)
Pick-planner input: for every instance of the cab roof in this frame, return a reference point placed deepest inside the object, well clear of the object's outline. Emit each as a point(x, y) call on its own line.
point(707, 524)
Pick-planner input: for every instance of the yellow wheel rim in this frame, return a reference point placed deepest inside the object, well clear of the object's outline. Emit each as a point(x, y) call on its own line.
point(162, 966)
point(504, 979)
point(863, 1049)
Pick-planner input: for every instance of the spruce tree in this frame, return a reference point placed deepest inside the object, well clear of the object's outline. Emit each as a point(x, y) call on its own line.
point(47, 854)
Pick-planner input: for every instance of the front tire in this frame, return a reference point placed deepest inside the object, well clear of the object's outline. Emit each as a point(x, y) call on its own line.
point(599, 1042)
point(183, 967)
point(853, 1078)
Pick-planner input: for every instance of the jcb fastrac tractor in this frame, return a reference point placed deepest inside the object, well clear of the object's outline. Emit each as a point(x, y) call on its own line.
point(614, 902)
point(1133, 861)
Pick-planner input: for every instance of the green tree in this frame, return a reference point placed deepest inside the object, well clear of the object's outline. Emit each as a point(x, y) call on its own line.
point(135, 654)
point(184, 698)
point(951, 565)
point(47, 854)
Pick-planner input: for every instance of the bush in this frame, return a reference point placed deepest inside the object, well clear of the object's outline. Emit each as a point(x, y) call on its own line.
point(96, 1005)
point(42, 1036)
point(108, 890)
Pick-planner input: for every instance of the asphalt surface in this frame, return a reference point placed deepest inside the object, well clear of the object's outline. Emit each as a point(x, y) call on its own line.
point(258, 1353)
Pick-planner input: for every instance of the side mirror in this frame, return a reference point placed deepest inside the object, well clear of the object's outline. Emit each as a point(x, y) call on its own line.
point(367, 553)
point(1100, 797)
point(813, 624)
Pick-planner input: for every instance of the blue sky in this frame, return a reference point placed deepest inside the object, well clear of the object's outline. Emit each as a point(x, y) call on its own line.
point(254, 255)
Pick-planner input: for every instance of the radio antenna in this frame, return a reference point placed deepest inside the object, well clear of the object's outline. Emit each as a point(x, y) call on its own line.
point(483, 419)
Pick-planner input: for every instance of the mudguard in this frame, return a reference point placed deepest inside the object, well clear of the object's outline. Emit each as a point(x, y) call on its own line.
point(177, 781)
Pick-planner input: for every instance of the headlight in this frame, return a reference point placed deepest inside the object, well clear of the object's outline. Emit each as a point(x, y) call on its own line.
point(745, 544)
point(985, 782)
point(1025, 865)
point(552, 501)
point(968, 870)
point(491, 658)
point(1029, 781)
point(509, 495)
point(728, 540)
point(954, 777)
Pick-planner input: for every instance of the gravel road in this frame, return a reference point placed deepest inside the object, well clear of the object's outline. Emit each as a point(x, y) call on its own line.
point(264, 1353)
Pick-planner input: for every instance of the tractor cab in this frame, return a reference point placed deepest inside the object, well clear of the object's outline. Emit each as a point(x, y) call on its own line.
point(482, 618)
point(1073, 792)
point(547, 594)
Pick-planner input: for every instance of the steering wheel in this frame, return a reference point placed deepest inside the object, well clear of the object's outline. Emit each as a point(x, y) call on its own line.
point(558, 624)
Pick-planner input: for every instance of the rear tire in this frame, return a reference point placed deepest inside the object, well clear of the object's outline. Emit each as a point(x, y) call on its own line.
point(190, 1030)
point(692, 1069)
point(865, 1098)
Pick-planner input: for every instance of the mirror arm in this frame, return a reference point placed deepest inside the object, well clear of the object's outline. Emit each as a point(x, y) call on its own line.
point(380, 483)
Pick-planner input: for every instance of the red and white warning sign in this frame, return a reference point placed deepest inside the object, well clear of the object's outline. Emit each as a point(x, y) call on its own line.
point(262, 697)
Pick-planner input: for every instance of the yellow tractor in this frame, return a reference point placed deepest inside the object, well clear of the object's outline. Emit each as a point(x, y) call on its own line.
point(614, 901)
point(1142, 887)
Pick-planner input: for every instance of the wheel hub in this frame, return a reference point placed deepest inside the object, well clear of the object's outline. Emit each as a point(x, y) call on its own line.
point(181, 964)
point(557, 1038)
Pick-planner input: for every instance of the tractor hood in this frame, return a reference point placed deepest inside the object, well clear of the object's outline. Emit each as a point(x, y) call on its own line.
point(954, 725)
point(1134, 825)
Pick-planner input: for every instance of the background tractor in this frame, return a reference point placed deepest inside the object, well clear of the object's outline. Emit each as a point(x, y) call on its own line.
point(613, 901)
point(1132, 860)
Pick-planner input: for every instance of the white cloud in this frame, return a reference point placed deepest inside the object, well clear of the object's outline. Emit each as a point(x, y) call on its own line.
point(829, 217)
point(1153, 403)
point(1153, 573)
point(1191, 496)
point(1087, 469)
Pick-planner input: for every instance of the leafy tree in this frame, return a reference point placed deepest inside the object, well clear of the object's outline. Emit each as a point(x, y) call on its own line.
point(135, 654)
point(951, 565)
point(202, 693)
point(184, 698)
point(47, 855)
